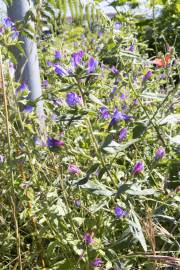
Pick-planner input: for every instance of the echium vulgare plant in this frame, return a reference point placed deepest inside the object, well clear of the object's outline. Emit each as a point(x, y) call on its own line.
point(100, 189)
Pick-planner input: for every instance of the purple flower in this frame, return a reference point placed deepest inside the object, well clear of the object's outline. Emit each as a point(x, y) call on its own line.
point(77, 203)
point(160, 152)
point(117, 116)
point(114, 70)
point(104, 112)
point(60, 70)
point(122, 134)
point(37, 141)
point(49, 63)
point(100, 34)
point(131, 48)
point(135, 101)
point(92, 64)
point(15, 33)
point(119, 212)
point(117, 26)
point(2, 158)
point(97, 262)
point(88, 239)
point(77, 58)
point(147, 76)
point(21, 88)
point(51, 142)
point(7, 22)
point(27, 109)
point(139, 166)
point(123, 96)
point(45, 83)
point(72, 99)
point(73, 169)
point(57, 55)
point(57, 102)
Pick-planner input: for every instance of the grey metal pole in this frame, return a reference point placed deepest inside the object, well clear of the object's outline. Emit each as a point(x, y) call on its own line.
point(28, 65)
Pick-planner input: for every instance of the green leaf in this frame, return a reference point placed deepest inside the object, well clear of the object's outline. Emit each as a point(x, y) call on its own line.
point(136, 229)
point(96, 100)
point(139, 130)
point(114, 147)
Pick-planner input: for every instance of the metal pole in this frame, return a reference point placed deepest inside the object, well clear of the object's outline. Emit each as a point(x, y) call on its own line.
point(28, 65)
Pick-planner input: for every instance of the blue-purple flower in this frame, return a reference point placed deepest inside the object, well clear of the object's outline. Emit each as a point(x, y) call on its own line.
point(60, 70)
point(88, 239)
point(104, 112)
point(7, 22)
point(117, 25)
point(97, 262)
point(119, 212)
point(138, 167)
point(73, 169)
point(117, 116)
point(72, 99)
point(57, 55)
point(160, 153)
point(122, 134)
point(15, 33)
point(21, 88)
point(45, 83)
point(77, 58)
point(131, 48)
point(92, 64)
point(114, 70)
point(77, 202)
point(147, 76)
point(27, 109)
point(51, 142)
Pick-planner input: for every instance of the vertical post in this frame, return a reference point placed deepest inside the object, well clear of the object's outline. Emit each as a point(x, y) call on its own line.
point(28, 65)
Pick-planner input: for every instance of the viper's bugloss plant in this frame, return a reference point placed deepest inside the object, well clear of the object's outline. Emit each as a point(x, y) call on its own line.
point(98, 189)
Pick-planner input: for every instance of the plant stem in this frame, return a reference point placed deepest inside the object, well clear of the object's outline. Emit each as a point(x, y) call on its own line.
point(12, 197)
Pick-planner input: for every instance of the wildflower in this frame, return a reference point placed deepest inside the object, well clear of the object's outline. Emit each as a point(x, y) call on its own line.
point(92, 65)
point(97, 262)
point(49, 63)
point(100, 34)
point(21, 88)
point(72, 99)
point(178, 188)
point(162, 62)
point(122, 134)
point(77, 58)
point(2, 31)
point(57, 55)
point(73, 169)
point(119, 212)
point(88, 239)
point(60, 70)
point(51, 142)
point(160, 152)
point(117, 25)
point(123, 96)
point(131, 48)
point(27, 109)
point(77, 203)
point(15, 33)
point(45, 83)
point(147, 76)
point(139, 166)
point(104, 112)
point(57, 102)
point(2, 158)
point(114, 70)
point(7, 22)
point(117, 116)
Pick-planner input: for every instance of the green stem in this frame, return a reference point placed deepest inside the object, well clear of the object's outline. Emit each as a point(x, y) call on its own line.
point(12, 198)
